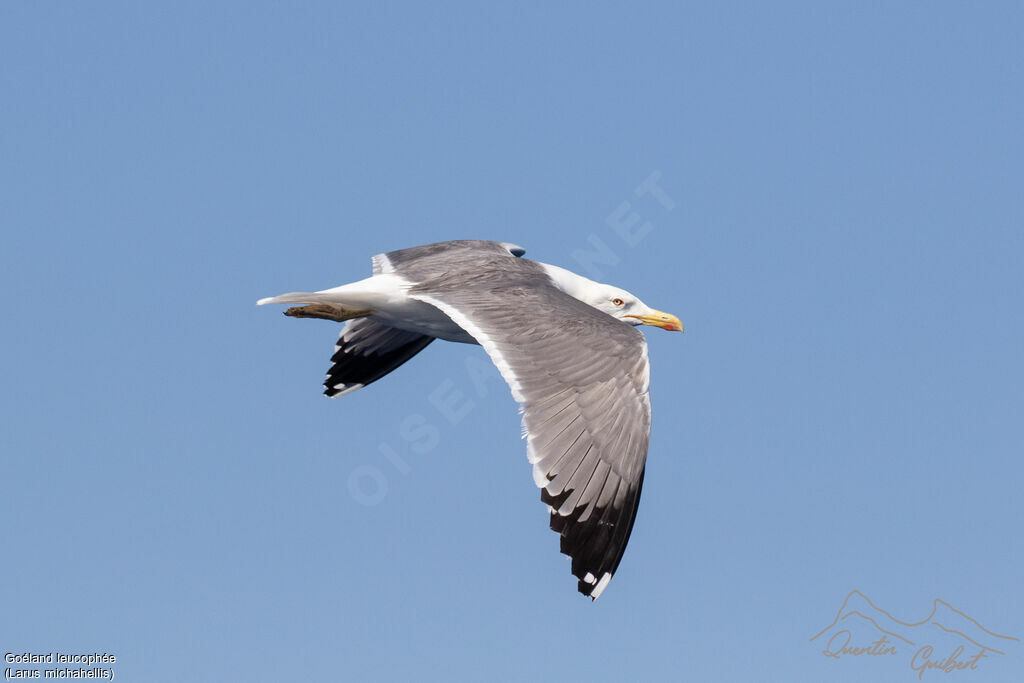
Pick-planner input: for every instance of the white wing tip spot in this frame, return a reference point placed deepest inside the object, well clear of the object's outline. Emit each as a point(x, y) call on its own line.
point(601, 585)
point(346, 389)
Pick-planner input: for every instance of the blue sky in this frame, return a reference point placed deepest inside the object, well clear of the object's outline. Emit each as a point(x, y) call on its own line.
point(842, 240)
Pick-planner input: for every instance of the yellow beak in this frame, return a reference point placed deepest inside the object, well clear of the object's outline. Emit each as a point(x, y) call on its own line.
point(665, 321)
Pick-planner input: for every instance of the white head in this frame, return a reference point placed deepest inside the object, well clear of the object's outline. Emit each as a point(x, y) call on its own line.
point(614, 301)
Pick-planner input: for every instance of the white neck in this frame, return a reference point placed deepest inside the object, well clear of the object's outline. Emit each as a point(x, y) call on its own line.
point(569, 282)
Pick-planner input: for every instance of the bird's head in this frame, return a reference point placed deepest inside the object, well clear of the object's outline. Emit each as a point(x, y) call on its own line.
point(620, 304)
point(616, 302)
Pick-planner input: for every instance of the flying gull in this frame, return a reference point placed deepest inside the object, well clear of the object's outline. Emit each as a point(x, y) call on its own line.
point(567, 346)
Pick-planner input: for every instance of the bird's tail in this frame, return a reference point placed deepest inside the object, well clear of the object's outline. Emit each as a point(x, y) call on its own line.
point(297, 298)
point(368, 293)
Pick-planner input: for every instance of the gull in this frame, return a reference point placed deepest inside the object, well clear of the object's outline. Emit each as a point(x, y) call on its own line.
point(567, 346)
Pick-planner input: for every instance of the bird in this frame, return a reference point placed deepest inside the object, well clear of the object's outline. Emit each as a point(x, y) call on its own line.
point(567, 346)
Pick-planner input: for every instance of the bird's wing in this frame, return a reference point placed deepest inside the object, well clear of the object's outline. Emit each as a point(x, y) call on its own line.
point(581, 377)
point(366, 351)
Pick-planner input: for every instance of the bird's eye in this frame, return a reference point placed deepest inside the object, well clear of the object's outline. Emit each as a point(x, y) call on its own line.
point(617, 301)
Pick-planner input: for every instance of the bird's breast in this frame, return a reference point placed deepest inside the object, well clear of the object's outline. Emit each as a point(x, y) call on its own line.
point(416, 316)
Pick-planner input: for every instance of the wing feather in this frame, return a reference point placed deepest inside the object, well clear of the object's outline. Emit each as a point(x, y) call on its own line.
point(366, 351)
point(581, 377)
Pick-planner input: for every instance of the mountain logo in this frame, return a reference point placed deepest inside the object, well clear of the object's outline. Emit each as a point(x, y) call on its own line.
point(947, 640)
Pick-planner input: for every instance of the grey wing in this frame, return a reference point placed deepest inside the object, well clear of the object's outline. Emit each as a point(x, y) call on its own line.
point(366, 351)
point(431, 261)
point(582, 379)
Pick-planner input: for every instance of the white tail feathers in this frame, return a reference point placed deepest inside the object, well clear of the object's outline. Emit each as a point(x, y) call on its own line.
point(294, 298)
point(373, 292)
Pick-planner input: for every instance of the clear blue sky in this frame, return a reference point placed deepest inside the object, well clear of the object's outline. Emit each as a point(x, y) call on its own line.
point(844, 245)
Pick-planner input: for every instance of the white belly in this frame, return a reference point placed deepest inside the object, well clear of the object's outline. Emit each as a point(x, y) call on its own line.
point(387, 295)
point(416, 316)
